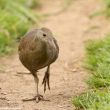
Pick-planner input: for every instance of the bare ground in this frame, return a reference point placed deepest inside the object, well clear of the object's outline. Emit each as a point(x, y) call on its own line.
point(72, 28)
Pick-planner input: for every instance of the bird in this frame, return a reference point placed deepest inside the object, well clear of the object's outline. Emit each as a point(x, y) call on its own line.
point(37, 49)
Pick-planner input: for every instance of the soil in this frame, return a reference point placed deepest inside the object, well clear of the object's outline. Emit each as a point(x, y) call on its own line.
point(72, 28)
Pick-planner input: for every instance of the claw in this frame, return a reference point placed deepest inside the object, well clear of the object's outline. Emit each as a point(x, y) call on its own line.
point(24, 100)
point(46, 81)
point(36, 98)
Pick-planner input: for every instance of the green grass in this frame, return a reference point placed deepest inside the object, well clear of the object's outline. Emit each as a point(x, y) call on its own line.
point(26, 3)
point(105, 11)
point(16, 17)
point(98, 63)
point(107, 7)
point(93, 100)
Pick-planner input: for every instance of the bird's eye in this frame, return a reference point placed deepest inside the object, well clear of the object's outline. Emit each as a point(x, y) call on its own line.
point(44, 34)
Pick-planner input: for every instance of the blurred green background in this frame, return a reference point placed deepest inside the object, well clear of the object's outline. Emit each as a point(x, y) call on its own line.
point(16, 16)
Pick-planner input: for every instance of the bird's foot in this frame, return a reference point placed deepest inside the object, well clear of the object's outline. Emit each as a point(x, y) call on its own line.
point(46, 82)
point(36, 98)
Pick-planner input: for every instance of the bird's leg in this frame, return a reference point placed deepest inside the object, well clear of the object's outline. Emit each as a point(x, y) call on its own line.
point(38, 97)
point(46, 78)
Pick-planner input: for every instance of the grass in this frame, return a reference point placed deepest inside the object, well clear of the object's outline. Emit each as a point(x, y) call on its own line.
point(107, 9)
point(16, 17)
point(93, 100)
point(98, 63)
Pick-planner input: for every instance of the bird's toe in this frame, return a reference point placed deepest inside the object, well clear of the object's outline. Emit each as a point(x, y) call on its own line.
point(39, 97)
point(46, 83)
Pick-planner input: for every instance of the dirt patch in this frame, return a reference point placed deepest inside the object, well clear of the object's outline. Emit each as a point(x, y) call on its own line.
point(72, 28)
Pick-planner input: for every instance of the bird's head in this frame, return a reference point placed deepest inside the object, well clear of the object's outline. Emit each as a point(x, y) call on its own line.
point(44, 34)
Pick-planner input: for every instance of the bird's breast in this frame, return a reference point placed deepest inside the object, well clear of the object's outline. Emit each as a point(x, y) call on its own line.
point(38, 55)
point(34, 57)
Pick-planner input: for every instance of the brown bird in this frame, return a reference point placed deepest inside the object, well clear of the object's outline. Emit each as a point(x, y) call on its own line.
point(38, 49)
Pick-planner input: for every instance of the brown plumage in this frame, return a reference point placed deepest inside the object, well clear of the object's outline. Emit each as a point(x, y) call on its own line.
point(38, 49)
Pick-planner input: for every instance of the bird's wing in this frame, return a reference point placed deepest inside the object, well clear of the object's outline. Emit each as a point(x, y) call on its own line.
point(55, 51)
point(56, 44)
